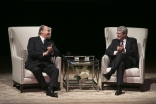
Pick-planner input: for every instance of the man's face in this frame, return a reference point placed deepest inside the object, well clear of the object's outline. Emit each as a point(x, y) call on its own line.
point(120, 35)
point(46, 32)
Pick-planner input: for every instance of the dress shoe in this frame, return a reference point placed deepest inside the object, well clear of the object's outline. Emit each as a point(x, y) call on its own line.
point(51, 93)
point(118, 91)
point(107, 76)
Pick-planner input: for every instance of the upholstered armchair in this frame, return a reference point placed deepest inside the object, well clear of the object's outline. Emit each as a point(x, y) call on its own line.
point(18, 38)
point(132, 75)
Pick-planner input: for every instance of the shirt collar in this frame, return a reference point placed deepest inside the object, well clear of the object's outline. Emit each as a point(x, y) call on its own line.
point(125, 39)
point(42, 39)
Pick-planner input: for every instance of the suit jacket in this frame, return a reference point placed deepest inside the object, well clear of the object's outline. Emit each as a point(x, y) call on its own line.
point(35, 53)
point(131, 50)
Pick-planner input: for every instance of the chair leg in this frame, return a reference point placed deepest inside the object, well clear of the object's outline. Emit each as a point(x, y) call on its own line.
point(101, 86)
point(21, 88)
point(141, 88)
point(59, 86)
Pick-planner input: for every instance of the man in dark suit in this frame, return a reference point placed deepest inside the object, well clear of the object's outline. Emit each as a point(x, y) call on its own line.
point(40, 51)
point(123, 54)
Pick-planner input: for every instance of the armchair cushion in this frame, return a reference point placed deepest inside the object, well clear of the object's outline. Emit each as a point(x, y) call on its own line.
point(29, 74)
point(24, 55)
point(131, 72)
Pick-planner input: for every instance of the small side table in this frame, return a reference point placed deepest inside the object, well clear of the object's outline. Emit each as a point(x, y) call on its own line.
point(79, 61)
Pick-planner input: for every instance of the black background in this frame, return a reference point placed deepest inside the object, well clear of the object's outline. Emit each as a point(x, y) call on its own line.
point(78, 26)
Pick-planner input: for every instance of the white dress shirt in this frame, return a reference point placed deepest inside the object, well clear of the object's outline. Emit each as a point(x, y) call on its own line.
point(42, 39)
point(42, 42)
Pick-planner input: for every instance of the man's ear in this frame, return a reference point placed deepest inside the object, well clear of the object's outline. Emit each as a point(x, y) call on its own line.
point(41, 31)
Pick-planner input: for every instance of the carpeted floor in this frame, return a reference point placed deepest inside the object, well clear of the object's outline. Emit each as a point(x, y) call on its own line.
point(9, 94)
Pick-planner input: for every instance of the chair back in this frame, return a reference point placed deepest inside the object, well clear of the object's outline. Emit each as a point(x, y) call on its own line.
point(19, 36)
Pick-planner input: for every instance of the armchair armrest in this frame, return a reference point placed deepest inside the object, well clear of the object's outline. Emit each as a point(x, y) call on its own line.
point(104, 65)
point(142, 68)
point(17, 68)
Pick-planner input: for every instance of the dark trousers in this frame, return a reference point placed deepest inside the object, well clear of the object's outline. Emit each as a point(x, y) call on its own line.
point(120, 63)
point(51, 71)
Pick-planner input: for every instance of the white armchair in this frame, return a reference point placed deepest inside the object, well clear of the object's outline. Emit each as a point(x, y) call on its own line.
point(18, 38)
point(133, 76)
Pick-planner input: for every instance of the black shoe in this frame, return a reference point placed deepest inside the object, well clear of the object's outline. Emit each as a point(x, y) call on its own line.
point(107, 76)
point(51, 93)
point(118, 91)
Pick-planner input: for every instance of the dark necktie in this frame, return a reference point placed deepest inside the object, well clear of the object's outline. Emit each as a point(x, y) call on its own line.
point(45, 43)
point(121, 43)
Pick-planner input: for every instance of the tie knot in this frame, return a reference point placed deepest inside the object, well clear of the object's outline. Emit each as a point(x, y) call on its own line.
point(121, 42)
point(44, 41)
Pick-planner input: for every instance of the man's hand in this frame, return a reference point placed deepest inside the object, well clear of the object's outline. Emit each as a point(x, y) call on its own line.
point(49, 48)
point(45, 53)
point(120, 49)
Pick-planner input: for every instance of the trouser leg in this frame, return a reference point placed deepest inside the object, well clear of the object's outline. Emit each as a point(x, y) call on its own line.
point(115, 65)
point(37, 71)
point(120, 73)
point(53, 72)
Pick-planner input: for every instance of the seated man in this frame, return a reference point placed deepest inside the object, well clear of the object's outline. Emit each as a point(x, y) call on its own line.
point(123, 53)
point(40, 51)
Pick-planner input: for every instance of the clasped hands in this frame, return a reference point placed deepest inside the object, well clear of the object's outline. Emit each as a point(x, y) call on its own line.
point(49, 50)
point(120, 49)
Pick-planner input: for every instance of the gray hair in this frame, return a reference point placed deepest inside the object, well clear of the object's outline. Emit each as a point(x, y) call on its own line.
point(123, 29)
point(40, 29)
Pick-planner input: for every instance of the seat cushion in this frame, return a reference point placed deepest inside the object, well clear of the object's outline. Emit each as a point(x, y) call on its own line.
point(33, 80)
point(126, 79)
point(29, 74)
point(130, 72)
